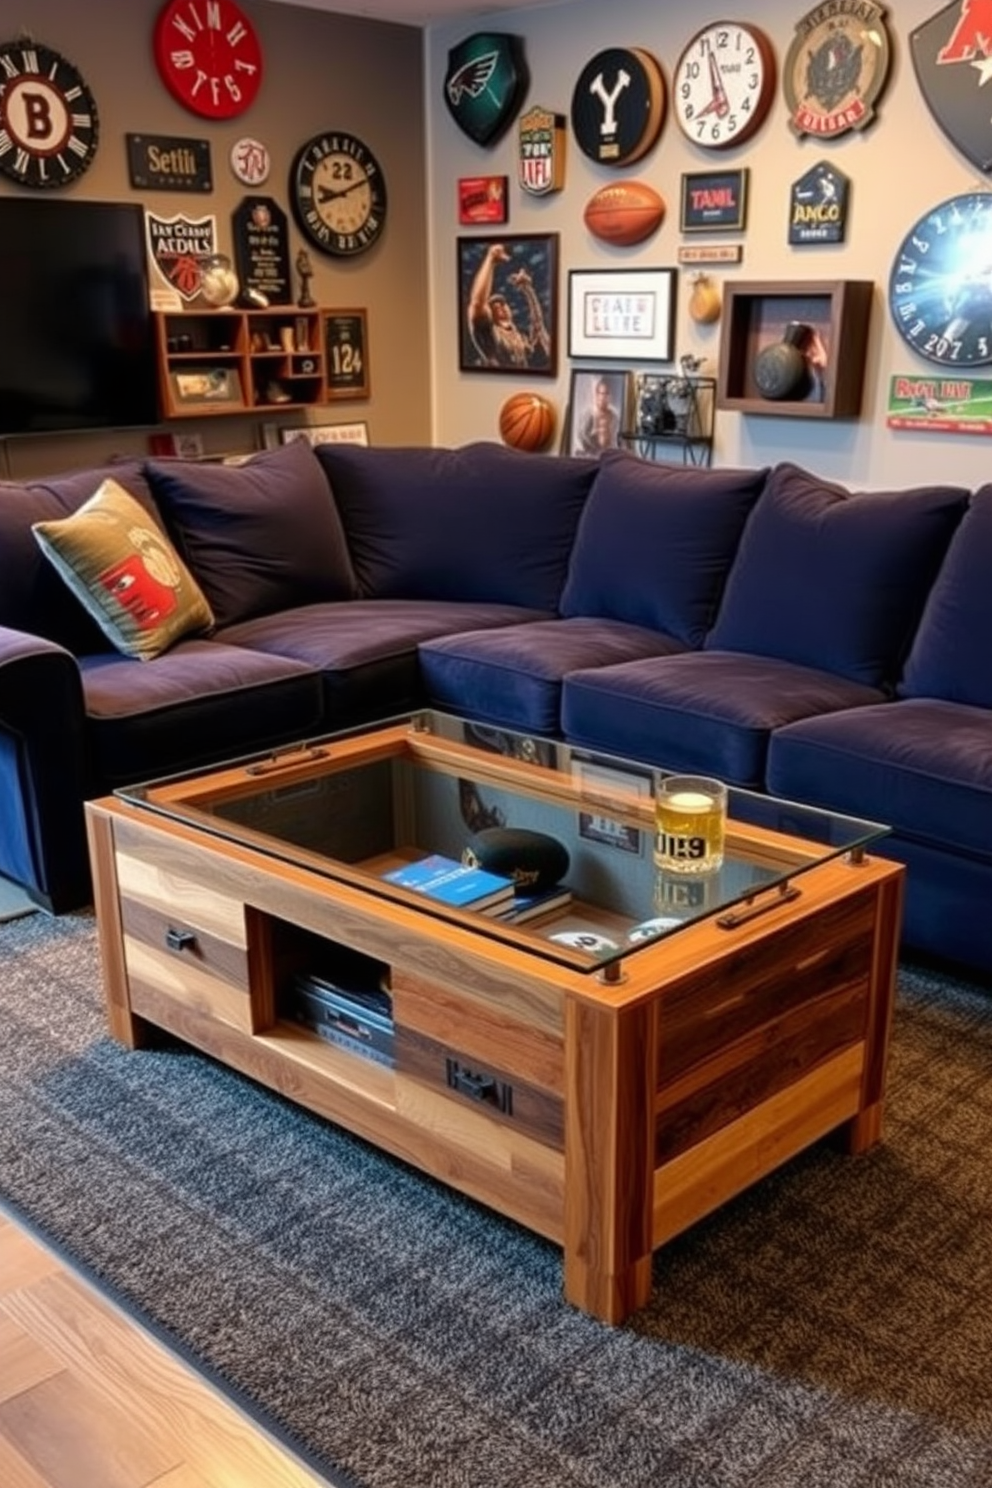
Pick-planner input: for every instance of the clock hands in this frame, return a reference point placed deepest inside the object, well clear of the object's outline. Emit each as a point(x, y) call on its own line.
point(328, 193)
point(719, 103)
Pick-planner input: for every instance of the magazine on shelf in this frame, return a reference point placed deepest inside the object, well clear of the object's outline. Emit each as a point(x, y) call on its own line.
point(448, 881)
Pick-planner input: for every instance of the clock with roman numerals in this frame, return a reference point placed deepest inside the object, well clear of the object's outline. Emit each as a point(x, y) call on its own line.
point(48, 119)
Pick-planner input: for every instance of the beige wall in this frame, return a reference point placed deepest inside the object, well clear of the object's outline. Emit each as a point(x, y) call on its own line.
point(322, 71)
point(899, 168)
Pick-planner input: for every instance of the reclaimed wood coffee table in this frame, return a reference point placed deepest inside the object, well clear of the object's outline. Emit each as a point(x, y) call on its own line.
point(605, 1093)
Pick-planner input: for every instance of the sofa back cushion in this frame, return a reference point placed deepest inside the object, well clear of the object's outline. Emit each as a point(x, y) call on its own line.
point(33, 595)
point(655, 542)
point(950, 654)
point(480, 523)
point(116, 559)
point(260, 537)
point(835, 579)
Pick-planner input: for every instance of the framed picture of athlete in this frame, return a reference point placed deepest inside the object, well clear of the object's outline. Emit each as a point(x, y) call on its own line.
point(597, 411)
point(508, 304)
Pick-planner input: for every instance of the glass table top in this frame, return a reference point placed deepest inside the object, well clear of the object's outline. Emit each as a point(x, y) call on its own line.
point(358, 805)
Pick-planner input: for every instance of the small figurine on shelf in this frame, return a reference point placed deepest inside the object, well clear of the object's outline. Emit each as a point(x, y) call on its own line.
point(304, 268)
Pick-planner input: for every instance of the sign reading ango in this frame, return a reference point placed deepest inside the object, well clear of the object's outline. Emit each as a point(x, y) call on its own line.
point(629, 315)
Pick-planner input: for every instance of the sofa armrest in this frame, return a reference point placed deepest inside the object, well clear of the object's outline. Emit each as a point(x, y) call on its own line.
point(43, 771)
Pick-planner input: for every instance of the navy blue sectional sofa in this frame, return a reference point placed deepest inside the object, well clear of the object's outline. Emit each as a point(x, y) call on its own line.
point(762, 625)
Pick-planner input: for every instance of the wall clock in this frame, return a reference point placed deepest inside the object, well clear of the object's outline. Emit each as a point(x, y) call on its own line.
point(723, 84)
point(940, 288)
point(208, 56)
point(48, 118)
point(338, 194)
point(836, 68)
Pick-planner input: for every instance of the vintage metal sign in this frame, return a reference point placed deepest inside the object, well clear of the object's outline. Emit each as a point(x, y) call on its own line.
point(482, 199)
point(818, 206)
point(178, 247)
point(953, 68)
point(836, 68)
point(165, 162)
point(541, 152)
point(485, 84)
point(940, 405)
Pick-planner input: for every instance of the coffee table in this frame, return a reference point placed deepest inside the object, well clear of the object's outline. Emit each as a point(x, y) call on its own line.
point(606, 1093)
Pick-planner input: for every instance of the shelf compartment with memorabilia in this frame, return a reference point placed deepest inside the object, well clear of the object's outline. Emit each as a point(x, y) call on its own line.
point(672, 412)
point(795, 348)
point(228, 361)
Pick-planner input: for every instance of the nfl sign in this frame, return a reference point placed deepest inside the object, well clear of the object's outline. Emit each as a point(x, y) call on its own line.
point(541, 155)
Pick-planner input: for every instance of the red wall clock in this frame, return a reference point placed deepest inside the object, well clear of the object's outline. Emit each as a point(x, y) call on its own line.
point(208, 56)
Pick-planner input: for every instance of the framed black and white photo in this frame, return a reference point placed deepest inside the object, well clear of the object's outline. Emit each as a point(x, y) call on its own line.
point(598, 411)
point(508, 304)
point(623, 315)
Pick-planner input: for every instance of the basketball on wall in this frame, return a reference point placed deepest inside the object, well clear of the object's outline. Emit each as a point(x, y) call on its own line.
point(527, 421)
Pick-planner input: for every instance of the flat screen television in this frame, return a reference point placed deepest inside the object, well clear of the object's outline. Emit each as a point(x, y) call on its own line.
point(76, 333)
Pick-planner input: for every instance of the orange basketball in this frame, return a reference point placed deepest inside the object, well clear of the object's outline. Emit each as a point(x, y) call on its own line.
point(527, 421)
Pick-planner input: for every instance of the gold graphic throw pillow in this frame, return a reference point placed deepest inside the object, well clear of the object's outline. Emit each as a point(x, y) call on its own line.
point(123, 569)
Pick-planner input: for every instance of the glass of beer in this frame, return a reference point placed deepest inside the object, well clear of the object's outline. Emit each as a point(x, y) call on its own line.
point(691, 823)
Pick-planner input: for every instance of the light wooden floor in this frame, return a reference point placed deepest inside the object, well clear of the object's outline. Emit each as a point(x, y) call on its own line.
point(88, 1399)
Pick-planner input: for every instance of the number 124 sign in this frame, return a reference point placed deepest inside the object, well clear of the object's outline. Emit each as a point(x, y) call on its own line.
point(346, 362)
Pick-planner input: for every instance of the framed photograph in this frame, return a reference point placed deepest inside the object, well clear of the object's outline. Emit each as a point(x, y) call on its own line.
point(344, 336)
point(714, 201)
point(598, 411)
point(508, 304)
point(355, 433)
point(220, 386)
point(482, 200)
point(623, 315)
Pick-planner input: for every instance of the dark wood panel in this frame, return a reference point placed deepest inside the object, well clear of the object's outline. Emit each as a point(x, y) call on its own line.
point(533, 1111)
point(766, 1061)
point(794, 965)
point(202, 950)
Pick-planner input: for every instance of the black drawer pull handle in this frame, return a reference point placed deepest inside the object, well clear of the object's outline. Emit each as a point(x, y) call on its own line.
point(180, 940)
point(476, 1087)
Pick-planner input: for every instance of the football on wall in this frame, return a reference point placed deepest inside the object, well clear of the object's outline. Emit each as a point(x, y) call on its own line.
point(624, 212)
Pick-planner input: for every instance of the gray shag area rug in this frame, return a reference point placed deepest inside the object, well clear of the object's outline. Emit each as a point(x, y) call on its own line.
point(830, 1329)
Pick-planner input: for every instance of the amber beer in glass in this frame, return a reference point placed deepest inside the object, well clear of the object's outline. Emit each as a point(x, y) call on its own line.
point(691, 823)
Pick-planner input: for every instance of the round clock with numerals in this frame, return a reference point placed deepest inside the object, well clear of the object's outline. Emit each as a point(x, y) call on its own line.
point(940, 287)
point(48, 119)
point(338, 193)
point(208, 56)
point(723, 84)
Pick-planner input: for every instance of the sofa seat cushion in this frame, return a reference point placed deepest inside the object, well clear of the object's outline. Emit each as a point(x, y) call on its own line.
point(922, 766)
point(479, 524)
point(513, 677)
point(200, 703)
point(950, 654)
point(835, 579)
point(655, 542)
point(709, 712)
point(122, 568)
point(259, 537)
point(366, 650)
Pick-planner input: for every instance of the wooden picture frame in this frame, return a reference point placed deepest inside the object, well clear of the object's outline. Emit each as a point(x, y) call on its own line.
point(344, 338)
point(624, 315)
point(598, 411)
point(508, 304)
point(356, 432)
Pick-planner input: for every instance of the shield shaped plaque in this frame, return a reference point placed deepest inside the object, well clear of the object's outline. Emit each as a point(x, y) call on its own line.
point(485, 84)
point(952, 69)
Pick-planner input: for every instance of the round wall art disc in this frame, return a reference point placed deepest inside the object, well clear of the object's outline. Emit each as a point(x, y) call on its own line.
point(618, 105)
